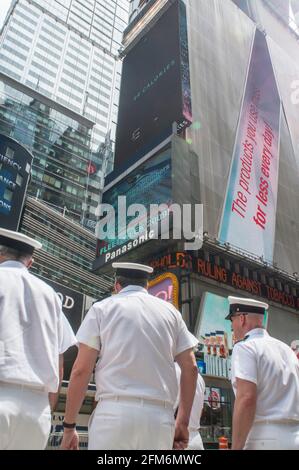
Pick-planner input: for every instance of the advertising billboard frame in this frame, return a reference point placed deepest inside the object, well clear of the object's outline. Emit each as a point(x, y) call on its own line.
point(143, 120)
point(15, 173)
point(174, 294)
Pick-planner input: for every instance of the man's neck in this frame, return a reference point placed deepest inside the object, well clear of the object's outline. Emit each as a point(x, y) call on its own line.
point(11, 260)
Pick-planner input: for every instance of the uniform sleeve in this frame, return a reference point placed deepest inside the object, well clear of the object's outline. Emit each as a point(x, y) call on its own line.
point(68, 338)
point(65, 334)
point(185, 340)
point(89, 331)
point(244, 363)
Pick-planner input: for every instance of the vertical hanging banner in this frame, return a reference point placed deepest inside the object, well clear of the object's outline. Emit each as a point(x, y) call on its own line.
point(249, 212)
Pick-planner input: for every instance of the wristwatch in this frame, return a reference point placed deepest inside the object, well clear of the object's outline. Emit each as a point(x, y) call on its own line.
point(68, 425)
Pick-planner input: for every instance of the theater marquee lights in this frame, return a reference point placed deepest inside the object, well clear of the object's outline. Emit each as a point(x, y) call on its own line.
point(228, 276)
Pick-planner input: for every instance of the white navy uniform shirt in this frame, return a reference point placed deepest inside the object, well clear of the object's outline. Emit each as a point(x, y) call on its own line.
point(137, 336)
point(198, 402)
point(274, 368)
point(33, 329)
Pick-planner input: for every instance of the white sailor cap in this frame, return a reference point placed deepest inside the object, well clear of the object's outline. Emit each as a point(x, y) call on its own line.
point(241, 305)
point(18, 241)
point(133, 270)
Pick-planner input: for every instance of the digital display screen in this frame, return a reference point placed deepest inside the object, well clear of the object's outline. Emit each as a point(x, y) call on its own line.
point(148, 184)
point(155, 89)
point(15, 166)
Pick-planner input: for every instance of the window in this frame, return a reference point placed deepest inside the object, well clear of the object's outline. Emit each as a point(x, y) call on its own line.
point(52, 34)
point(54, 25)
point(74, 66)
point(23, 26)
point(20, 35)
point(40, 78)
point(73, 76)
point(71, 85)
point(9, 152)
point(76, 59)
point(48, 52)
point(17, 43)
point(14, 52)
point(11, 62)
point(46, 59)
point(28, 9)
point(10, 73)
point(70, 95)
point(44, 69)
point(50, 43)
point(98, 89)
point(96, 108)
point(77, 50)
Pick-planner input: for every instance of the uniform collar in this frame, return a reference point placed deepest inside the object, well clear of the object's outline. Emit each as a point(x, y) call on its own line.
point(12, 264)
point(133, 289)
point(257, 332)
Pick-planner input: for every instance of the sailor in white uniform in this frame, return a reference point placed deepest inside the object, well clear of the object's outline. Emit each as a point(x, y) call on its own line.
point(137, 337)
point(33, 336)
point(265, 378)
point(195, 440)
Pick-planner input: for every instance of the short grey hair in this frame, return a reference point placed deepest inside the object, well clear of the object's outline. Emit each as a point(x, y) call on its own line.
point(11, 253)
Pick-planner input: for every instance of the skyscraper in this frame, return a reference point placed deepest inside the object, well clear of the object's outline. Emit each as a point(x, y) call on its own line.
point(59, 79)
point(67, 50)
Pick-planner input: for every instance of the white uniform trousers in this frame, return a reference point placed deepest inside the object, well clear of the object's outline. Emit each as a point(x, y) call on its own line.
point(25, 418)
point(195, 440)
point(275, 435)
point(131, 424)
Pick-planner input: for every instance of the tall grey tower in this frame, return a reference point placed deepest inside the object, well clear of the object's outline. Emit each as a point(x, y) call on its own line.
point(67, 50)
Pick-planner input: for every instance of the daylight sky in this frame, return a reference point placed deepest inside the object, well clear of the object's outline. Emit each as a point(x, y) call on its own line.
point(4, 5)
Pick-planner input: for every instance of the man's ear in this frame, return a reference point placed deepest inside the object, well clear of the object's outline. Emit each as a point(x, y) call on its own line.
point(30, 263)
point(117, 287)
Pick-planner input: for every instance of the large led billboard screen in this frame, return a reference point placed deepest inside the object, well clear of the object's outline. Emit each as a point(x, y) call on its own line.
point(150, 183)
point(155, 88)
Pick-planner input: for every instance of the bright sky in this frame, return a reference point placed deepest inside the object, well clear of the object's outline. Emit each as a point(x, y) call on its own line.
point(4, 5)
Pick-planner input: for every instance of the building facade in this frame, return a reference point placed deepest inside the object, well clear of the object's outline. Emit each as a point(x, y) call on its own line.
point(67, 253)
point(68, 51)
point(63, 174)
point(238, 157)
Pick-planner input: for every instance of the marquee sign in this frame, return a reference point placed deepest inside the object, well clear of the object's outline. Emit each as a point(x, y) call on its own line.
point(224, 275)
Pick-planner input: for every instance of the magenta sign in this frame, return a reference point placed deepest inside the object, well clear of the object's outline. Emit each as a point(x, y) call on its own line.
point(166, 288)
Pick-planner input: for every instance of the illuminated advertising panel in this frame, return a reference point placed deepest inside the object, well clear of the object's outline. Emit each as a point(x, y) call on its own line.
point(166, 287)
point(249, 213)
point(15, 167)
point(155, 89)
point(216, 334)
point(147, 185)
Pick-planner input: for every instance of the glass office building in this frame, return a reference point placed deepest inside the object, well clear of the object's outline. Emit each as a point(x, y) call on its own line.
point(68, 51)
point(67, 253)
point(62, 174)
